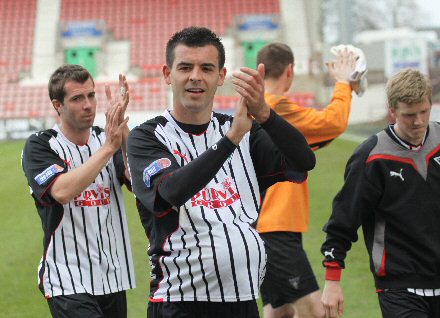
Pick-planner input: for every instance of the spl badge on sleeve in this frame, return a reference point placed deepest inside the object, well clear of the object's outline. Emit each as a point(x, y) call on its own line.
point(154, 168)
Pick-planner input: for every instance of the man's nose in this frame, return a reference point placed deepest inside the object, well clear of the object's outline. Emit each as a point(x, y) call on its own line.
point(87, 103)
point(196, 74)
point(418, 120)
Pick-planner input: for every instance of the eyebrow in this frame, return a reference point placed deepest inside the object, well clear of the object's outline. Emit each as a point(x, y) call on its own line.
point(190, 64)
point(81, 94)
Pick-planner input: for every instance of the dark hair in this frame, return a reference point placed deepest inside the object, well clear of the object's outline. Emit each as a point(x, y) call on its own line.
point(63, 74)
point(195, 37)
point(275, 57)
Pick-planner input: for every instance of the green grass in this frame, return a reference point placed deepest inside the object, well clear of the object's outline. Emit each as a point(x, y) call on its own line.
point(21, 240)
point(324, 182)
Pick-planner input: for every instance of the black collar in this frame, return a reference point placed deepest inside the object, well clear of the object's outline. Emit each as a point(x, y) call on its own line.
point(392, 133)
point(192, 129)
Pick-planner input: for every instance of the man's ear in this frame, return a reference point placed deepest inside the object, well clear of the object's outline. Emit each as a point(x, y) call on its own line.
point(391, 115)
point(57, 105)
point(290, 71)
point(222, 76)
point(166, 71)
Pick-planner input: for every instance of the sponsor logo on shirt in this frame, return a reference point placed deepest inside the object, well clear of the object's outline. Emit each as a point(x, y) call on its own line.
point(48, 173)
point(154, 168)
point(95, 195)
point(177, 152)
point(214, 198)
point(437, 159)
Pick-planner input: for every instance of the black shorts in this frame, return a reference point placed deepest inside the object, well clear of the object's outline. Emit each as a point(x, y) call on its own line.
point(203, 309)
point(400, 303)
point(289, 275)
point(89, 306)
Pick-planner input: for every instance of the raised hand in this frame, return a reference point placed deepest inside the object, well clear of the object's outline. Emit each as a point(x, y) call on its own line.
point(114, 128)
point(341, 69)
point(121, 98)
point(249, 84)
point(241, 124)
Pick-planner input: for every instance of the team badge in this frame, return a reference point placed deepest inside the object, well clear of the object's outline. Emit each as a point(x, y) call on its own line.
point(154, 168)
point(48, 173)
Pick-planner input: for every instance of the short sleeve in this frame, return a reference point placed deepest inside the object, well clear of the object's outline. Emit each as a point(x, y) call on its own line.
point(41, 166)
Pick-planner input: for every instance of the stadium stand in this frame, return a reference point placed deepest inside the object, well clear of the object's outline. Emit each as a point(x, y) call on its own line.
point(17, 20)
point(146, 24)
point(149, 24)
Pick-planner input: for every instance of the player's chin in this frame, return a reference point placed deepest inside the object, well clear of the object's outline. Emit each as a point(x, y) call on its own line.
point(88, 123)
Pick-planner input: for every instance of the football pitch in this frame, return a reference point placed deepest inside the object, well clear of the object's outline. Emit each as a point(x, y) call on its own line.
point(22, 240)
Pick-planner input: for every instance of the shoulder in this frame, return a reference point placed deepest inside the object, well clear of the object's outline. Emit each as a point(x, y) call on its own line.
point(148, 126)
point(41, 137)
point(363, 151)
point(146, 130)
point(273, 99)
point(435, 125)
point(367, 145)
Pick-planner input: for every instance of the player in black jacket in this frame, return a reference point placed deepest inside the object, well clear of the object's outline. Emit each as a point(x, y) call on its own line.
point(392, 183)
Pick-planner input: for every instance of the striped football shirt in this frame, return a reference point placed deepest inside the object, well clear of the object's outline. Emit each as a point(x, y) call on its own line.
point(86, 241)
point(206, 248)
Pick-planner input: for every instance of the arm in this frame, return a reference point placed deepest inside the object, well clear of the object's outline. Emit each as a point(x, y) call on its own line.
point(321, 127)
point(70, 184)
point(159, 182)
point(354, 205)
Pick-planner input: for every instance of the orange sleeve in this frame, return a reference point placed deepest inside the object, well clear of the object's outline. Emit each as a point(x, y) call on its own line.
point(318, 126)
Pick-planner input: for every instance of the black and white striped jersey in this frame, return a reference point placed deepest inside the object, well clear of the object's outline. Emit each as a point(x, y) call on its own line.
point(86, 241)
point(204, 249)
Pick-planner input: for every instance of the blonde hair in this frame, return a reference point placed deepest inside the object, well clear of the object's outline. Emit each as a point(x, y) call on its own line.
point(408, 86)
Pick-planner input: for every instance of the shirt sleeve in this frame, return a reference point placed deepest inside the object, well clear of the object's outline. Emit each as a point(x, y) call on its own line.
point(352, 207)
point(279, 152)
point(159, 183)
point(41, 166)
point(319, 127)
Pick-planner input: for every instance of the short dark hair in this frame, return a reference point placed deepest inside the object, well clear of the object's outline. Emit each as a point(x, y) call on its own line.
point(195, 37)
point(63, 74)
point(275, 57)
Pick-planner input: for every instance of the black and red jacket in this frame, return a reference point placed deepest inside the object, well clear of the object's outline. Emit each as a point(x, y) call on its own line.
point(393, 192)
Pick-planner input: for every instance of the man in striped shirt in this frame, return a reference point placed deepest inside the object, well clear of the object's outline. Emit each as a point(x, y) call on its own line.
point(75, 171)
point(197, 177)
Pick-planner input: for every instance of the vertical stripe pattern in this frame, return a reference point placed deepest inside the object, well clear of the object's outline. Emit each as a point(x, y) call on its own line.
point(89, 249)
point(214, 254)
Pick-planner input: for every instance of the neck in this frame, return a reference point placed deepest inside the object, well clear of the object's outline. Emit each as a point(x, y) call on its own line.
point(192, 118)
point(76, 136)
point(274, 87)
